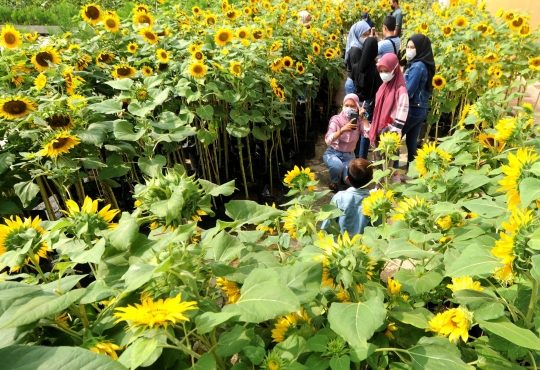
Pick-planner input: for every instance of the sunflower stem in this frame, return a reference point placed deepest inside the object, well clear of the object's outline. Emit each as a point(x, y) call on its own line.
point(37, 267)
point(84, 318)
point(532, 302)
point(240, 151)
point(45, 198)
point(108, 192)
point(73, 333)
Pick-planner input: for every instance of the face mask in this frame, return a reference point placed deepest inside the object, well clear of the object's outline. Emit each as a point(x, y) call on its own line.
point(348, 111)
point(410, 54)
point(386, 76)
point(362, 39)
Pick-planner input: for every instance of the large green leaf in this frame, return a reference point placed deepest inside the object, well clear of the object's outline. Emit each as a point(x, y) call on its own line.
point(485, 306)
point(233, 341)
point(152, 166)
point(38, 308)
point(26, 191)
point(357, 322)
point(529, 191)
point(224, 247)
point(492, 360)
point(419, 317)
point(473, 181)
point(263, 297)
point(123, 130)
point(116, 167)
point(433, 357)
point(400, 248)
point(125, 233)
point(205, 112)
point(6, 160)
point(110, 106)
point(511, 332)
point(416, 282)
point(123, 84)
point(486, 207)
point(249, 212)
point(65, 358)
point(206, 362)
point(209, 320)
point(303, 278)
point(474, 261)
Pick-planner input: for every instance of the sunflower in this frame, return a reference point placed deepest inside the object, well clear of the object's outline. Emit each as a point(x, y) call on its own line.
point(300, 178)
point(104, 57)
point(196, 11)
point(162, 55)
point(224, 5)
point(280, 94)
point(70, 80)
point(491, 57)
point(506, 128)
point(424, 26)
point(91, 13)
point(275, 46)
point(316, 48)
point(123, 71)
point(447, 30)
point(461, 21)
point(60, 122)
point(141, 94)
point(132, 47)
point(232, 14)
point(516, 23)
point(40, 81)
point(242, 33)
point(438, 82)
point(16, 107)
point(111, 22)
point(296, 323)
point(151, 314)
point(147, 71)
point(89, 213)
point(389, 143)
point(247, 10)
point(299, 221)
point(149, 35)
point(14, 235)
point(378, 203)
point(44, 56)
point(431, 159)
point(534, 63)
point(106, 348)
point(141, 8)
point(465, 282)
point(287, 62)
point(198, 55)
point(452, 323)
point(516, 171)
point(491, 83)
point(10, 37)
point(82, 62)
point(300, 69)
point(257, 34)
point(210, 19)
point(31, 37)
point(508, 16)
point(143, 18)
point(525, 30)
point(59, 144)
point(236, 68)
point(76, 101)
point(230, 288)
point(329, 53)
point(223, 36)
point(197, 69)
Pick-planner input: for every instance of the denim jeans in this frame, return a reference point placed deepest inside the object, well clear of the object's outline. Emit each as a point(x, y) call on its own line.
point(362, 147)
point(337, 163)
point(413, 125)
point(349, 86)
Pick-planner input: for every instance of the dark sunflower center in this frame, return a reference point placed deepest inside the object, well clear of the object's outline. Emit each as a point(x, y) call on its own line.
point(237, 69)
point(58, 121)
point(242, 34)
point(123, 71)
point(60, 142)
point(105, 58)
point(15, 107)
point(287, 63)
point(518, 22)
point(43, 57)
point(258, 35)
point(150, 36)
point(231, 14)
point(482, 28)
point(223, 37)
point(210, 21)
point(438, 82)
point(198, 55)
point(10, 38)
point(111, 23)
point(144, 19)
point(197, 69)
point(141, 9)
point(92, 12)
point(162, 67)
point(163, 55)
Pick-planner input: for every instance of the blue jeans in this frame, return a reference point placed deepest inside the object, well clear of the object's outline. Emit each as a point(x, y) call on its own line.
point(337, 163)
point(362, 147)
point(413, 125)
point(349, 86)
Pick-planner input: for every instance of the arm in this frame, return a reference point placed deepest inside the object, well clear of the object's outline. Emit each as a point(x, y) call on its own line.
point(399, 19)
point(402, 111)
point(412, 78)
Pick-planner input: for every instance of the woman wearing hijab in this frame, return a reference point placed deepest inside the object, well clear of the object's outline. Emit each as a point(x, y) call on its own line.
point(366, 18)
point(391, 101)
point(419, 73)
point(367, 82)
point(358, 33)
point(341, 138)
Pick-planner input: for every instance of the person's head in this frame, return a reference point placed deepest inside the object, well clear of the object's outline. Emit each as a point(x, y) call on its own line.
point(389, 26)
point(365, 16)
point(362, 30)
point(394, 4)
point(350, 101)
point(410, 52)
point(304, 17)
point(387, 66)
point(359, 173)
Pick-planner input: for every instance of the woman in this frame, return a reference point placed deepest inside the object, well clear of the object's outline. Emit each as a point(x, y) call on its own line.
point(366, 18)
point(419, 73)
point(358, 33)
point(343, 133)
point(391, 101)
point(367, 82)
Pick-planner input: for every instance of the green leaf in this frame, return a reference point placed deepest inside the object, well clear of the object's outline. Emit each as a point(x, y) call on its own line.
point(340, 363)
point(138, 275)
point(400, 248)
point(357, 322)
point(224, 247)
point(511, 332)
point(152, 166)
point(6, 160)
point(217, 190)
point(419, 317)
point(205, 112)
point(123, 84)
point(249, 212)
point(206, 362)
point(141, 109)
point(486, 207)
point(206, 137)
point(115, 168)
point(123, 130)
point(316, 362)
point(431, 357)
point(26, 191)
point(97, 291)
point(529, 191)
point(292, 347)
point(13, 290)
point(258, 133)
point(209, 320)
point(110, 106)
point(263, 297)
point(416, 282)
point(233, 341)
point(142, 350)
point(125, 233)
point(65, 358)
point(492, 360)
point(255, 354)
point(38, 308)
point(473, 181)
point(484, 305)
point(318, 343)
point(303, 278)
point(474, 261)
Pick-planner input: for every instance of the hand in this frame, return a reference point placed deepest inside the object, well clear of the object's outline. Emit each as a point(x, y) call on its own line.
point(361, 109)
point(350, 126)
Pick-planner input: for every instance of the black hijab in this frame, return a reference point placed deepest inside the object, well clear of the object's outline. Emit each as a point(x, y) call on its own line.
point(369, 53)
point(424, 54)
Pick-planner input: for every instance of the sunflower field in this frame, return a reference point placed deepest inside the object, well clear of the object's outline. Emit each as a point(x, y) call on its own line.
point(132, 133)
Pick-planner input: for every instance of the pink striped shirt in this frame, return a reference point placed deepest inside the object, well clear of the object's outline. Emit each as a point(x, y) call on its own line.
point(348, 139)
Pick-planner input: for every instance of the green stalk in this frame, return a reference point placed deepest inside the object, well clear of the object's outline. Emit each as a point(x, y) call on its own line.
point(532, 302)
point(36, 266)
point(249, 158)
point(240, 151)
point(109, 195)
point(46, 201)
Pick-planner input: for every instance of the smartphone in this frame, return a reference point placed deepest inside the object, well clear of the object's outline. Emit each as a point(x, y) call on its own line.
point(354, 116)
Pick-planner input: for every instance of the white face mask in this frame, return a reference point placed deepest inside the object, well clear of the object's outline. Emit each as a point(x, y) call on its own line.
point(348, 111)
point(386, 76)
point(410, 53)
point(362, 39)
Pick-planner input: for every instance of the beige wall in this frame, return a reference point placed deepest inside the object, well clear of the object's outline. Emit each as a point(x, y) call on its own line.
point(531, 6)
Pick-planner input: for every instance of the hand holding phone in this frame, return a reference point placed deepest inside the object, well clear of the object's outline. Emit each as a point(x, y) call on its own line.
point(354, 116)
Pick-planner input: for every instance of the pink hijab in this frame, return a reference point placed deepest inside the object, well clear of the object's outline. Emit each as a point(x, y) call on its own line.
point(342, 119)
point(386, 97)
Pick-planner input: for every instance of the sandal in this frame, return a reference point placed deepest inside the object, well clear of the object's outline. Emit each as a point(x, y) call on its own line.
point(333, 186)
